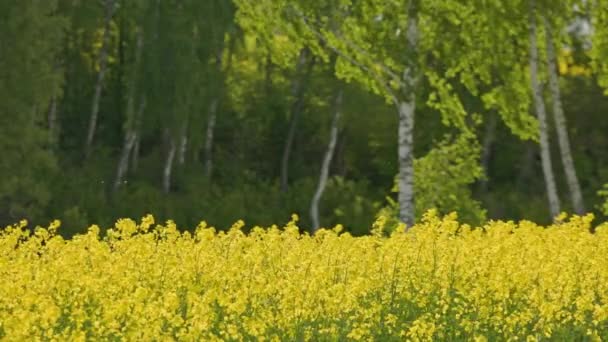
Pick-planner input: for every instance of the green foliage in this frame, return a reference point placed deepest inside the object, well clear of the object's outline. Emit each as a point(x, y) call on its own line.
point(443, 180)
point(28, 30)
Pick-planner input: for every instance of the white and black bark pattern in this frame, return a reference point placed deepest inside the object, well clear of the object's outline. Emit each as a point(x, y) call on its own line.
point(130, 148)
point(103, 61)
point(407, 110)
point(183, 144)
point(123, 162)
point(561, 126)
point(168, 168)
point(537, 92)
point(213, 110)
point(133, 118)
point(297, 90)
point(329, 153)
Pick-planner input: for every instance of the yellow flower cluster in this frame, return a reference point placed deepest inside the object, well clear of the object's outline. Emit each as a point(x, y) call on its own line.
point(440, 281)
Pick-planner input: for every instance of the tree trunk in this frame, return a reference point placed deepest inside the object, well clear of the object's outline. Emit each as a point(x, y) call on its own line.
point(123, 163)
point(213, 109)
point(132, 118)
point(537, 91)
point(561, 126)
point(329, 153)
point(135, 152)
point(168, 169)
point(297, 91)
point(340, 163)
point(209, 137)
point(183, 144)
point(407, 110)
point(103, 60)
point(129, 147)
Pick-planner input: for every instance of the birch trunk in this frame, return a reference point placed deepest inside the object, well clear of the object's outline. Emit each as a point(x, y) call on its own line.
point(183, 145)
point(168, 168)
point(537, 91)
point(123, 162)
point(103, 60)
point(130, 148)
point(209, 137)
point(329, 153)
point(297, 91)
point(135, 152)
point(132, 118)
point(560, 124)
point(407, 109)
point(213, 110)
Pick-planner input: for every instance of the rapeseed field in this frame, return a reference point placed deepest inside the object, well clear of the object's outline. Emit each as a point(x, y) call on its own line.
point(440, 281)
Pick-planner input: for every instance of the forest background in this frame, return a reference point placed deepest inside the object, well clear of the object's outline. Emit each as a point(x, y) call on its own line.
point(336, 110)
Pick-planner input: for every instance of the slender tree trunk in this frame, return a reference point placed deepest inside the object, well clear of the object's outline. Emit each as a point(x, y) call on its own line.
point(554, 205)
point(168, 168)
point(561, 126)
point(133, 118)
point(407, 110)
point(297, 90)
point(340, 163)
point(129, 148)
point(183, 144)
point(212, 116)
point(123, 163)
point(329, 153)
point(135, 152)
point(103, 60)
point(214, 107)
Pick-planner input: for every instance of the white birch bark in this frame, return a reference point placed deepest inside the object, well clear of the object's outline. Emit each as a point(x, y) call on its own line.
point(123, 162)
point(132, 118)
point(213, 110)
point(407, 109)
point(329, 153)
point(560, 124)
point(537, 92)
point(103, 60)
point(183, 144)
point(168, 168)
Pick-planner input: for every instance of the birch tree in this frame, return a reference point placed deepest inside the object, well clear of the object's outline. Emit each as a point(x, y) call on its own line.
point(133, 115)
point(539, 102)
point(559, 118)
point(329, 154)
point(109, 8)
